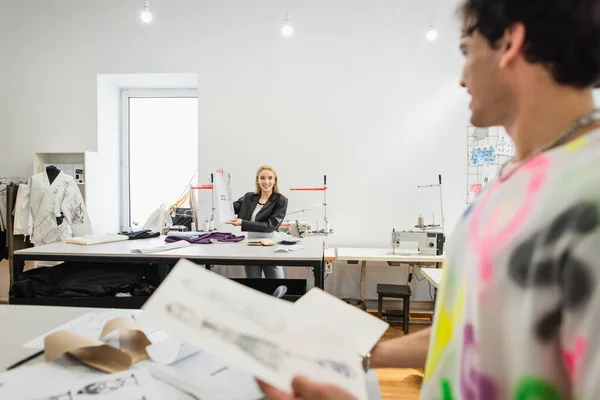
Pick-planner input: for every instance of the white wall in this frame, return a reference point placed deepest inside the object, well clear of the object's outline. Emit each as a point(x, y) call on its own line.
point(357, 93)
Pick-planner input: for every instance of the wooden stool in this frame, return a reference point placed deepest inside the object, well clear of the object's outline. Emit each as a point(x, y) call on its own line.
point(395, 292)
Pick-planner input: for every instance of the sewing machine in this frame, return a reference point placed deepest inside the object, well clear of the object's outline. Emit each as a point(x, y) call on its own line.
point(296, 228)
point(418, 242)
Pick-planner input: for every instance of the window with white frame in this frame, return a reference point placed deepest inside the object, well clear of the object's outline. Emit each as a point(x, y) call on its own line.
point(160, 150)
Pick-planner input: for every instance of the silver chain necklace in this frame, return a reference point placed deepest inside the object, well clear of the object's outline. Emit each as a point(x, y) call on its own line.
point(582, 122)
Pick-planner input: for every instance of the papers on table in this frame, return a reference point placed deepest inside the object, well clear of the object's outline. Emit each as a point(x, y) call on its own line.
point(89, 325)
point(52, 383)
point(165, 247)
point(224, 197)
point(170, 350)
point(221, 337)
point(208, 378)
point(287, 249)
point(97, 239)
point(259, 334)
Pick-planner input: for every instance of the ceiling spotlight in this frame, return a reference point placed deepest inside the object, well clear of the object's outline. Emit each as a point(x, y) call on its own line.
point(146, 14)
point(287, 29)
point(432, 34)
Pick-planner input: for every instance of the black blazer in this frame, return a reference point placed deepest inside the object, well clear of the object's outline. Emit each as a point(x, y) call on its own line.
point(268, 218)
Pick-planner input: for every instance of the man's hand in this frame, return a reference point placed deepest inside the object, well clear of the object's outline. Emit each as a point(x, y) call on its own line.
point(305, 389)
point(235, 222)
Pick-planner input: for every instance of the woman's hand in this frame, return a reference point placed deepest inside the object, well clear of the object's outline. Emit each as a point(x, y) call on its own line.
point(222, 171)
point(305, 389)
point(235, 222)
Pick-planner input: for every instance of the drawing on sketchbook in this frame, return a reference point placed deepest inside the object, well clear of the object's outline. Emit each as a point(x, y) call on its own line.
point(264, 351)
point(64, 396)
point(109, 385)
point(271, 321)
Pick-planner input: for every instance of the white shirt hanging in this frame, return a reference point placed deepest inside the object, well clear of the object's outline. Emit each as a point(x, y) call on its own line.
point(50, 201)
point(23, 223)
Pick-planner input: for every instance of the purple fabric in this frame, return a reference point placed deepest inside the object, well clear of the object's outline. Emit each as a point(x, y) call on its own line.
point(206, 238)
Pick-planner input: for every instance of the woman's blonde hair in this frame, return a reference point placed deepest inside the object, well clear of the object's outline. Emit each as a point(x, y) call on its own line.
point(268, 168)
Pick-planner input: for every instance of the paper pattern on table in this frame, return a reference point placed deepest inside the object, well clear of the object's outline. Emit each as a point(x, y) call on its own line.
point(89, 325)
point(224, 197)
point(122, 344)
point(250, 330)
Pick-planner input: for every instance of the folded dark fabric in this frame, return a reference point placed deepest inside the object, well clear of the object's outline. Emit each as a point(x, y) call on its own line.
point(144, 234)
point(205, 238)
point(71, 279)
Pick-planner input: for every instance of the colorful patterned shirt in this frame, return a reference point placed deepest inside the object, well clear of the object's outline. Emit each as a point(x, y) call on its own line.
point(518, 312)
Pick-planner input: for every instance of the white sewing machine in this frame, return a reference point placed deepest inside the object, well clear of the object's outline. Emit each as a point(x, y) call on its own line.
point(418, 242)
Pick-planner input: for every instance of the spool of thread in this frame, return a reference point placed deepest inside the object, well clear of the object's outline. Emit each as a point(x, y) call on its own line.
point(206, 226)
point(420, 222)
point(193, 227)
point(211, 225)
point(326, 230)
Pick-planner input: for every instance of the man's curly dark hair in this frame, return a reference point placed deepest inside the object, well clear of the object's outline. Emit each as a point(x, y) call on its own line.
point(563, 35)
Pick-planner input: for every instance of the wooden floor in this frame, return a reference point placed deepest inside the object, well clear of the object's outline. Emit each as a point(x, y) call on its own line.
point(400, 384)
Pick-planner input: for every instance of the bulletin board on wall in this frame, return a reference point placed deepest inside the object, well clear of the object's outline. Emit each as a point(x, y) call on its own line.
point(487, 150)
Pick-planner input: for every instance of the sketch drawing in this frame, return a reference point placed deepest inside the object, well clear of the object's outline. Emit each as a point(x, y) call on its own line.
point(264, 351)
point(506, 146)
point(109, 385)
point(64, 396)
point(271, 321)
point(224, 198)
point(483, 155)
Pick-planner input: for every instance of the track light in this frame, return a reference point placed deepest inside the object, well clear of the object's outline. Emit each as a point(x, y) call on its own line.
point(287, 29)
point(432, 34)
point(146, 14)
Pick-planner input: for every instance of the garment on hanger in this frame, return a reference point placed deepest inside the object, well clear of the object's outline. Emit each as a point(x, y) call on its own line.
point(23, 223)
point(57, 209)
point(3, 220)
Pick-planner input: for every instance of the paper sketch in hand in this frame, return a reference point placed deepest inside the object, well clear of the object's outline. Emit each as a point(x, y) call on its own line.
point(224, 197)
point(262, 350)
point(89, 325)
point(274, 320)
point(506, 146)
point(362, 331)
point(209, 320)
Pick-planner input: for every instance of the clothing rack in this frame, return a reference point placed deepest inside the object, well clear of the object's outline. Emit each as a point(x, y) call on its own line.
point(13, 242)
point(15, 181)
